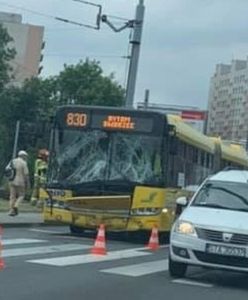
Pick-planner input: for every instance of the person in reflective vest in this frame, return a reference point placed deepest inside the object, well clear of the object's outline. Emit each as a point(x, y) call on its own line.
point(40, 172)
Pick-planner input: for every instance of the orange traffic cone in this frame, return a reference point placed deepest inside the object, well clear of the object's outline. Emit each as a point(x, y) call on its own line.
point(154, 240)
point(99, 247)
point(2, 264)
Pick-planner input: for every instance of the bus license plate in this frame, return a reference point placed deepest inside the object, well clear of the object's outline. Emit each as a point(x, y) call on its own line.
point(225, 250)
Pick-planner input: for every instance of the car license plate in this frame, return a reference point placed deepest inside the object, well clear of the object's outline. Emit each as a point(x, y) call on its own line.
point(225, 250)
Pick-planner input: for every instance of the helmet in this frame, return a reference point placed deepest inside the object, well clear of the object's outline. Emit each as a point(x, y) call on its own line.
point(22, 153)
point(43, 153)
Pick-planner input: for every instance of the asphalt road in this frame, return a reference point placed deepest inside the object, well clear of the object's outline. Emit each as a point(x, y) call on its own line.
point(48, 263)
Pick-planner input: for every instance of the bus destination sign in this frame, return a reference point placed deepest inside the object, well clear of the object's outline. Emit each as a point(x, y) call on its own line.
point(85, 119)
point(118, 122)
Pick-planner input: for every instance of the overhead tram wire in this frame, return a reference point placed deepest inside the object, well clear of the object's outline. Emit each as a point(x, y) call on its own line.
point(74, 22)
point(26, 9)
point(48, 16)
point(118, 18)
point(87, 2)
point(90, 55)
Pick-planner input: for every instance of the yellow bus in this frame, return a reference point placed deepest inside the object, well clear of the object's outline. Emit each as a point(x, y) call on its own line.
point(125, 168)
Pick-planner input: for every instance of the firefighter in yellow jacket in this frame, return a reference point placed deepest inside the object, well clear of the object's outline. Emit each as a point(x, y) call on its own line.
point(40, 172)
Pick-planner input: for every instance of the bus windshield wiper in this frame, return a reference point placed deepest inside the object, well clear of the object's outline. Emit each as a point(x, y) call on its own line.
point(56, 185)
point(120, 182)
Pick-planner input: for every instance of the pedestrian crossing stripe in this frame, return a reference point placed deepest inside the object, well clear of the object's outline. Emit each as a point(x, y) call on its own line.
point(7, 242)
point(136, 270)
point(192, 282)
point(89, 258)
point(42, 250)
point(45, 231)
point(131, 270)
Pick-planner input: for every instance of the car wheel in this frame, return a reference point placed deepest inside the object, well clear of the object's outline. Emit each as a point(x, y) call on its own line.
point(76, 230)
point(177, 269)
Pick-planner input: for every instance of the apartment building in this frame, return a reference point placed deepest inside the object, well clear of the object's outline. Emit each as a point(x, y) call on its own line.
point(28, 42)
point(228, 102)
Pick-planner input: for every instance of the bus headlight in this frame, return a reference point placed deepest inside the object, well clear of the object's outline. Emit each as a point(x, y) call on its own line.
point(146, 211)
point(185, 227)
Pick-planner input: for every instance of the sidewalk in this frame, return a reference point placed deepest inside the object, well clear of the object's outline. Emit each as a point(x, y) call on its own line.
point(28, 215)
point(23, 219)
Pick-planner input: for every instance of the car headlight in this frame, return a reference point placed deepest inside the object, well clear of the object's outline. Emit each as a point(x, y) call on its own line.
point(185, 227)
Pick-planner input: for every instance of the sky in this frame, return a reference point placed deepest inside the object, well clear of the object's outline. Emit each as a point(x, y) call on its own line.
point(182, 42)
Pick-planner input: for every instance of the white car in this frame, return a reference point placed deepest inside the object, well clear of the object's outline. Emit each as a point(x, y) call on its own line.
point(212, 230)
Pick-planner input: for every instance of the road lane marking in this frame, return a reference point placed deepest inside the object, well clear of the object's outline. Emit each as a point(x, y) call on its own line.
point(140, 269)
point(89, 258)
point(8, 242)
point(160, 247)
point(46, 231)
point(42, 250)
point(191, 282)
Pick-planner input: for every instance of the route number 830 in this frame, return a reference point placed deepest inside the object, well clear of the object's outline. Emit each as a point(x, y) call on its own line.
point(76, 119)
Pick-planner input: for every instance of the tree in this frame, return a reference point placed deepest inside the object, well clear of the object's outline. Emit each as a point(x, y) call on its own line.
point(6, 55)
point(85, 83)
point(34, 103)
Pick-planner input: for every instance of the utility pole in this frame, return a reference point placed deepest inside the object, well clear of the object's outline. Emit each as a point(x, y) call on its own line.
point(16, 139)
point(135, 52)
point(146, 100)
point(137, 25)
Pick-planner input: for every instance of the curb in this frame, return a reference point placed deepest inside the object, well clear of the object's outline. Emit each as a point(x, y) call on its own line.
point(28, 224)
point(21, 225)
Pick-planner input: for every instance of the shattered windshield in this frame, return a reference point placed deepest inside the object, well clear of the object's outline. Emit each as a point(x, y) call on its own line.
point(87, 156)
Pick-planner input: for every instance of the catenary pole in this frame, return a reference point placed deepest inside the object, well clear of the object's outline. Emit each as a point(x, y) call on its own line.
point(135, 52)
point(16, 139)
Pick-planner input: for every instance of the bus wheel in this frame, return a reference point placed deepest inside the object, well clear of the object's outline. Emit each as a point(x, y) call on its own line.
point(76, 230)
point(177, 269)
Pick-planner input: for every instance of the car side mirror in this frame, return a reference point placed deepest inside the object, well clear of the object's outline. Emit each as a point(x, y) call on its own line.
point(182, 201)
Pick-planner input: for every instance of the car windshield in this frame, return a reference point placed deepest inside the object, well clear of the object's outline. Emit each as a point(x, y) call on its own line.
point(89, 156)
point(223, 195)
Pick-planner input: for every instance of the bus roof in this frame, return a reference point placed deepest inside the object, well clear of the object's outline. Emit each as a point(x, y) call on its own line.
point(190, 135)
point(233, 152)
point(110, 109)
